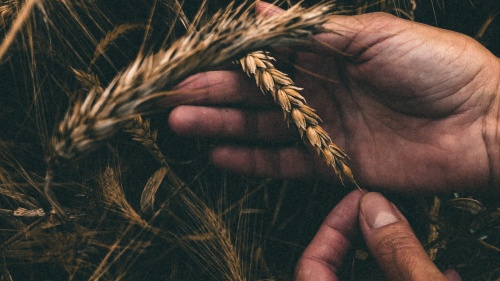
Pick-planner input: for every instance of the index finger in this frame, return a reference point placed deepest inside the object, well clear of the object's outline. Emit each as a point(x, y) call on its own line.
point(215, 88)
point(324, 255)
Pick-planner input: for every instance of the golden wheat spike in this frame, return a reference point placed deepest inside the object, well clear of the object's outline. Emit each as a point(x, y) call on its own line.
point(285, 93)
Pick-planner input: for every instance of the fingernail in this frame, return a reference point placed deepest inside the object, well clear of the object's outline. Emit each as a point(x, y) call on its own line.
point(377, 211)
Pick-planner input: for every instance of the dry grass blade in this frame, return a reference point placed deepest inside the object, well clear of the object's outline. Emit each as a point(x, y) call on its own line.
point(433, 228)
point(87, 80)
point(141, 132)
point(16, 26)
point(212, 235)
point(149, 193)
point(4, 273)
point(295, 109)
point(111, 36)
point(114, 198)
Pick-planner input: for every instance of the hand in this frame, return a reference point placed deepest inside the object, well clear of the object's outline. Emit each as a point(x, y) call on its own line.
point(387, 234)
point(415, 108)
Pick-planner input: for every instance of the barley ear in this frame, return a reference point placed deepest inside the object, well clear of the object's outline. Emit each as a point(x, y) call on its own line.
point(295, 109)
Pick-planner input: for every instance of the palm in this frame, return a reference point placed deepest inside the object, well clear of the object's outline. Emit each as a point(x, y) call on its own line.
point(408, 107)
point(409, 114)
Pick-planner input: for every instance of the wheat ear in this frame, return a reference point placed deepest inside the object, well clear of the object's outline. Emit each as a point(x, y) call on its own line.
point(295, 109)
point(138, 89)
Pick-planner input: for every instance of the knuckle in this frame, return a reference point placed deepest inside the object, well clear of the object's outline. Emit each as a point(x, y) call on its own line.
point(400, 245)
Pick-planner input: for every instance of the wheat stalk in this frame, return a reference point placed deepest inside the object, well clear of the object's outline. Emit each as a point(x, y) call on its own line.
point(141, 132)
point(295, 109)
point(215, 239)
point(137, 89)
point(434, 228)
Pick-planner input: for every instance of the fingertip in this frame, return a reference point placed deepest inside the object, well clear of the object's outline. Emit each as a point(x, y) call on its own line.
point(452, 275)
point(377, 211)
point(392, 242)
point(181, 120)
point(232, 158)
point(326, 252)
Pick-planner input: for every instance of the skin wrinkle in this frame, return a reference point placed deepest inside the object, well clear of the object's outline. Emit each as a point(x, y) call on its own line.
point(460, 88)
point(358, 51)
point(333, 267)
point(472, 79)
point(492, 107)
point(346, 83)
point(407, 52)
point(335, 229)
point(223, 121)
point(204, 77)
point(423, 125)
point(373, 141)
point(463, 50)
point(438, 145)
point(395, 246)
point(342, 230)
point(252, 124)
point(357, 57)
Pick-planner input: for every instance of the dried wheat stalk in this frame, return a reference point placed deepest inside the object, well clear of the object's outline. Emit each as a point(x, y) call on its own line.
point(137, 89)
point(114, 197)
point(434, 228)
point(270, 80)
point(141, 132)
point(212, 235)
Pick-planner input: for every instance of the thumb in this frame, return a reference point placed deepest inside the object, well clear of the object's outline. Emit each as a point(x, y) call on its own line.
point(349, 35)
point(392, 242)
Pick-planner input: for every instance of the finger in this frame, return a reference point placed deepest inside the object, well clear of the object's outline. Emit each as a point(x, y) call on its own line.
point(282, 162)
point(344, 30)
point(452, 275)
point(392, 242)
point(324, 255)
point(217, 87)
point(349, 35)
point(352, 36)
point(231, 123)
